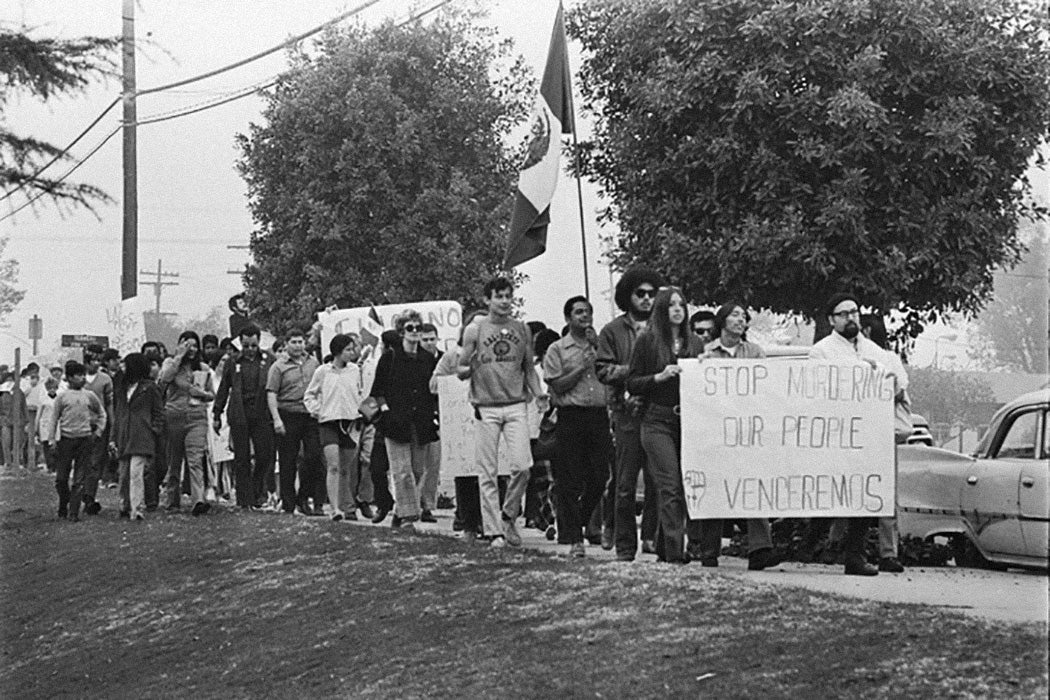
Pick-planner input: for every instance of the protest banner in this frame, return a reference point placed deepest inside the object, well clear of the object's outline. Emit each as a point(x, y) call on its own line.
point(786, 438)
point(457, 431)
point(127, 324)
point(447, 317)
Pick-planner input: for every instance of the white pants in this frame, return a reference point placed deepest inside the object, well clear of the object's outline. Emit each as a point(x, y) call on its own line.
point(512, 422)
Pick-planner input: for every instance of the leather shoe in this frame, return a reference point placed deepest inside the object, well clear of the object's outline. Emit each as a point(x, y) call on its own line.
point(380, 515)
point(607, 538)
point(891, 565)
point(427, 517)
point(366, 510)
point(709, 562)
point(856, 566)
point(762, 559)
point(648, 547)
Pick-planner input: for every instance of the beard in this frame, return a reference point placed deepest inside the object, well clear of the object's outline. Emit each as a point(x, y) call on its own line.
point(850, 331)
point(641, 314)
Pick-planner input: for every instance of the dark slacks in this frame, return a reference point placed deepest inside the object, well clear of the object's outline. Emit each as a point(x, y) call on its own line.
point(99, 457)
point(379, 469)
point(300, 429)
point(468, 500)
point(581, 467)
point(630, 459)
point(662, 441)
point(73, 455)
point(251, 479)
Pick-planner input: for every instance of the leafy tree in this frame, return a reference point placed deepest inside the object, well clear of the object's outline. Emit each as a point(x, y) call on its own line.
point(1012, 329)
point(380, 172)
point(46, 68)
point(943, 396)
point(10, 296)
point(778, 152)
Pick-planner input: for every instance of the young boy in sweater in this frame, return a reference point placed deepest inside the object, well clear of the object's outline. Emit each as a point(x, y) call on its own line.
point(79, 419)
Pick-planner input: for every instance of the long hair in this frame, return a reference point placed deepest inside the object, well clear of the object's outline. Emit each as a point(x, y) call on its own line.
point(136, 369)
point(194, 362)
point(660, 327)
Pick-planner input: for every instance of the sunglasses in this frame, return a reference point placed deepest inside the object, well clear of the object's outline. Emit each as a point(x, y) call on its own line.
point(643, 293)
point(412, 327)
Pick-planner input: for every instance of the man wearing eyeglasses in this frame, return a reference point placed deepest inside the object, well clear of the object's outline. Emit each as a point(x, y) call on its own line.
point(634, 294)
point(846, 344)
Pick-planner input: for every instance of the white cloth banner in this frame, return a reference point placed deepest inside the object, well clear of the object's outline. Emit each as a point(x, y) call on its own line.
point(447, 317)
point(794, 438)
point(457, 431)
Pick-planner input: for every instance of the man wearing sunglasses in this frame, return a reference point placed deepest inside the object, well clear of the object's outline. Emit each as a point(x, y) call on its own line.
point(635, 293)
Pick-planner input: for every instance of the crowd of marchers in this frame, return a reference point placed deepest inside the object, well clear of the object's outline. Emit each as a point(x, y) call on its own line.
point(303, 430)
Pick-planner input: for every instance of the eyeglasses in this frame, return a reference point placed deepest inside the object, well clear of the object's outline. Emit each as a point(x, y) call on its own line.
point(643, 293)
point(412, 327)
point(847, 313)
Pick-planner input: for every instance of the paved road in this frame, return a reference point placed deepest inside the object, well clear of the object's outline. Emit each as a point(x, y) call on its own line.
point(1009, 596)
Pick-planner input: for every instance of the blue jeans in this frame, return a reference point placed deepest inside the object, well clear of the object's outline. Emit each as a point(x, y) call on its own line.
point(662, 441)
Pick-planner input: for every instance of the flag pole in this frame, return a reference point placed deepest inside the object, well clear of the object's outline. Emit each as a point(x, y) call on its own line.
point(579, 199)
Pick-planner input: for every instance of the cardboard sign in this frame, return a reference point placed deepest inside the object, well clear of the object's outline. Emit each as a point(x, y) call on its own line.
point(457, 431)
point(127, 324)
point(786, 438)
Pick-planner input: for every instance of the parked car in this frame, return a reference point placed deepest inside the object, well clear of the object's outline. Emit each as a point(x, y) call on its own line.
point(993, 505)
point(920, 431)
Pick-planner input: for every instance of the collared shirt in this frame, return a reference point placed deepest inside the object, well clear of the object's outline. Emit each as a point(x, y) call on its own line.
point(615, 344)
point(289, 379)
point(744, 350)
point(838, 347)
point(563, 357)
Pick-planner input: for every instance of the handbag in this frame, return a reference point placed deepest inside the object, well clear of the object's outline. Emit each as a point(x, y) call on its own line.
point(547, 443)
point(369, 409)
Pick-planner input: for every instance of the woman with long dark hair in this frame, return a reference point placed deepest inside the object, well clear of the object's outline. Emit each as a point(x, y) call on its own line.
point(654, 377)
point(187, 387)
point(138, 422)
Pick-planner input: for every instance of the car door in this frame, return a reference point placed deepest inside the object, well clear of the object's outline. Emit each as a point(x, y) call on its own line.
point(990, 498)
point(1035, 509)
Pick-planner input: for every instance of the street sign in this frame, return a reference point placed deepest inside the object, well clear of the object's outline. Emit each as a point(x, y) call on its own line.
point(82, 341)
point(36, 328)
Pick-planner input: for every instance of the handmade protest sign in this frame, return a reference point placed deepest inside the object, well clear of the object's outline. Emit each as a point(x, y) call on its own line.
point(786, 438)
point(447, 317)
point(457, 431)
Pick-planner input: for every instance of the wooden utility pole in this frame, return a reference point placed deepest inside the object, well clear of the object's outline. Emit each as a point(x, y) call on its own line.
point(130, 255)
point(18, 419)
point(160, 283)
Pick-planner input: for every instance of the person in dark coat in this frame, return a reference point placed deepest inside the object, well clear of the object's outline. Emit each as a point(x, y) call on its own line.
point(243, 385)
point(138, 409)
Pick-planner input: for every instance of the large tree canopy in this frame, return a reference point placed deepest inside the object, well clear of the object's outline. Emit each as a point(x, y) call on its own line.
point(380, 173)
point(44, 69)
point(777, 152)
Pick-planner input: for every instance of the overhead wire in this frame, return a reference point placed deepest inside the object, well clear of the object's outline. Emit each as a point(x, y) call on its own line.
point(64, 175)
point(255, 57)
point(199, 107)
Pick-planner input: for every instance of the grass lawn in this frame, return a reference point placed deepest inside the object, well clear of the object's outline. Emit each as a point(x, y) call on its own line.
point(264, 605)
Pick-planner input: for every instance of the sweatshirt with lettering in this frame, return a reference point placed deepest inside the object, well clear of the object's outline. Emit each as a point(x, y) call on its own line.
point(75, 412)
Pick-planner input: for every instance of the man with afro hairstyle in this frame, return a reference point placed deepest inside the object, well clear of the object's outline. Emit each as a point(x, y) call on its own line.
point(634, 295)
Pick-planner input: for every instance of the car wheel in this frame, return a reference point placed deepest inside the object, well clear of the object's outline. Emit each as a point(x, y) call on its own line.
point(968, 556)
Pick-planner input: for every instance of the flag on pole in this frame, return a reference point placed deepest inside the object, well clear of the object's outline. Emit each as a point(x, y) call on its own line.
point(371, 328)
point(552, 116)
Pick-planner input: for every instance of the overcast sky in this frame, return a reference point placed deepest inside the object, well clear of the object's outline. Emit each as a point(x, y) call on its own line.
point(192, 203)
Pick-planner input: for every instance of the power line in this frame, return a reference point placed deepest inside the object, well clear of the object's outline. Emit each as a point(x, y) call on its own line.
point(63, 177)
point(262, 54)
point(248, 91)
point(61, 153)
